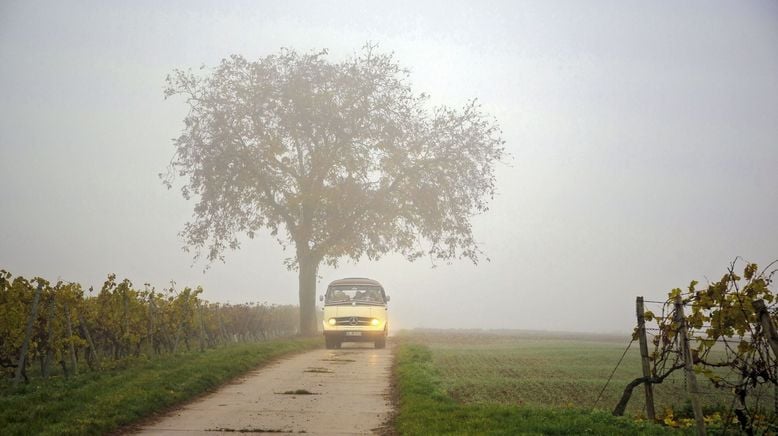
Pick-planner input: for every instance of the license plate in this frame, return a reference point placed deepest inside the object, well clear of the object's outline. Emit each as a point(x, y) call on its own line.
point(353, 333)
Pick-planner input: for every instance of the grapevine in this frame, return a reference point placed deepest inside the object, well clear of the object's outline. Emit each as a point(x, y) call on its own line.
point(730, 328)
point(73, 330)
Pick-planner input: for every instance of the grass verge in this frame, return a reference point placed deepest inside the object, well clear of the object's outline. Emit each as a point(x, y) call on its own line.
point(100, 402)
point(425, 408)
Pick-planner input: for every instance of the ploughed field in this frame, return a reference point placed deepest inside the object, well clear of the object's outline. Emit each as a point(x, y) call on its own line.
point(542, 369)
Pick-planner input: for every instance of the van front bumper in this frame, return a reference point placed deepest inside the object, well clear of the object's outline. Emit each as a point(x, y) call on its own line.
point(355, 335)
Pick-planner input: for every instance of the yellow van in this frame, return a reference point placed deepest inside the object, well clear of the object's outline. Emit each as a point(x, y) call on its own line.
point(355, 311)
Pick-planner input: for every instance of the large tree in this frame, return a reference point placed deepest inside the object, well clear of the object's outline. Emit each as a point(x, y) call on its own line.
point(337, 158)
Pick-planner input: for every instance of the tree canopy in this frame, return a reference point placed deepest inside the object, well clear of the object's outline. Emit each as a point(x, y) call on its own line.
point(340, 159)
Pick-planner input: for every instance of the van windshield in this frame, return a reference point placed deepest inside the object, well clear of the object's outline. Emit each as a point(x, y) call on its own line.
point(354, 295)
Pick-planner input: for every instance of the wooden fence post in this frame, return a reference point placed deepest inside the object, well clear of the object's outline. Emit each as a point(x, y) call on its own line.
point(649, 387)
point(691, 379)
point(27, 335)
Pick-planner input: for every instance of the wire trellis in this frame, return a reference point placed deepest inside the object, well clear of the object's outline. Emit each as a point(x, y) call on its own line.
point(719, 358)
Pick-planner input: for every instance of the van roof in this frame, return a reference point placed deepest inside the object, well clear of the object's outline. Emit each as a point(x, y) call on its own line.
point(355, 281)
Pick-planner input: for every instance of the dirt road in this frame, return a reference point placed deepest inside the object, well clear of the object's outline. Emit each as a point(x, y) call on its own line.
point(342, 391)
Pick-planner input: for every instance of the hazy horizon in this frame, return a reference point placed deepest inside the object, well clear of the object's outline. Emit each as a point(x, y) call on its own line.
point(643, 142)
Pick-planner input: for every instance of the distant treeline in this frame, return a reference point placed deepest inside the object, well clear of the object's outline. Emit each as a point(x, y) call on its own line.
point(47, 328)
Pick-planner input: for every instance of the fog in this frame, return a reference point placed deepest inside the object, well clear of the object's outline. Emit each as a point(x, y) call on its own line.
point(643, 141)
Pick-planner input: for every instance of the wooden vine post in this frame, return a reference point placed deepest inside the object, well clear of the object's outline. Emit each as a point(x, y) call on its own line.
point(649, 387)
point(151, 325)
point(770, 334)
point(225, 337)
point(202, 324)
point(126, 322)
point(49, 356)
point(71, 347)
point(767, 325)
point(92, 349)
point(691, 379)
point(28, 334)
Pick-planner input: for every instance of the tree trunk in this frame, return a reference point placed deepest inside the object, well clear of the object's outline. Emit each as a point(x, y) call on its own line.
point(307, 286)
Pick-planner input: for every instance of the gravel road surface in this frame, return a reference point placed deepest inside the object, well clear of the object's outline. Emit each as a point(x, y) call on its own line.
point(341, 392)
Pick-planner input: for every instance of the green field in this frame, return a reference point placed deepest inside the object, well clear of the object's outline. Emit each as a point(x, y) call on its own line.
point(542, 369)
point(531, 373)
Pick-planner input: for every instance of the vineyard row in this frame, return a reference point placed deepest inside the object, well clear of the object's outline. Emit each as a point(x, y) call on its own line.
point(44, 326)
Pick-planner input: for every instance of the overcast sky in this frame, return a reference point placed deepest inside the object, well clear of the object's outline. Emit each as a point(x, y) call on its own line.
point(643, 135)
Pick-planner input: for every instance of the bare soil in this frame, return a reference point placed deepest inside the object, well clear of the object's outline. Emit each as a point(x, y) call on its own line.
point(344, 391)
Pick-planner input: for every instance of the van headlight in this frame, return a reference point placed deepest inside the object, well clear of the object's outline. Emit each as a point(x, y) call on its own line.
point(374, 322)
point(331, 321)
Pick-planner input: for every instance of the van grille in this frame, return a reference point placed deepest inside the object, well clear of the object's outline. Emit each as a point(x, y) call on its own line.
point(353, 320)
